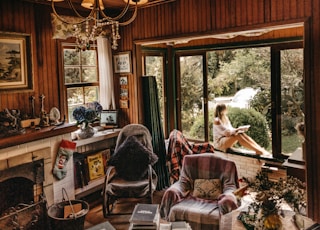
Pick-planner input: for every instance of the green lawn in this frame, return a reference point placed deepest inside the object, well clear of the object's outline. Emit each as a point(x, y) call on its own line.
point(291, 143)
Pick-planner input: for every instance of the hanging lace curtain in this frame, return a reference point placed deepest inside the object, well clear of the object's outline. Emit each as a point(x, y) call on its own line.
point(107, 99)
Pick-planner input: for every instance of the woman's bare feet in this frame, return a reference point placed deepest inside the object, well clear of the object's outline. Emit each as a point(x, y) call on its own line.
point(264, 153)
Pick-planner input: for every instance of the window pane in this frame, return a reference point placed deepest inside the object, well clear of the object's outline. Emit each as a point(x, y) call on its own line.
point(75, 96)
point(89, 74)
point(75, 99)
point(72, 75)
point(241, 79)
point(91, 93)
point(292, 100)
point(88, 58)
point(71, 57)
point(191, 96)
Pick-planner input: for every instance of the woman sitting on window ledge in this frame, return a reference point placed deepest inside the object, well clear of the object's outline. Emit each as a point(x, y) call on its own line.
point(225, 136)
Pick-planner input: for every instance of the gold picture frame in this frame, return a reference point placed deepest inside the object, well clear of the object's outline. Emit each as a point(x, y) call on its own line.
point(15, 59)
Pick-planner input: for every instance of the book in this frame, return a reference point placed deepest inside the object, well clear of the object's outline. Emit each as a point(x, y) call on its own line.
point(95, 166)
point(145, 214)
point(180, 225)
point(80, 178)
point(244, 127)
point(142, 226)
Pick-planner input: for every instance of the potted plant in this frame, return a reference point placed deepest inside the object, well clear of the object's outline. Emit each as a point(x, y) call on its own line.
point(85, 116)
point(265, 210)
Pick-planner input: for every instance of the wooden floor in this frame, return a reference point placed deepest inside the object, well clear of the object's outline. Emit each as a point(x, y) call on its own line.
point(118, 221)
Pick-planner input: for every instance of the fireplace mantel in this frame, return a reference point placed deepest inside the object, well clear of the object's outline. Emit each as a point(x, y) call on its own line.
point(33, 135)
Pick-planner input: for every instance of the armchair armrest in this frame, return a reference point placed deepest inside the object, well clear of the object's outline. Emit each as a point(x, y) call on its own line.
point(227, 202)
point(173, 195)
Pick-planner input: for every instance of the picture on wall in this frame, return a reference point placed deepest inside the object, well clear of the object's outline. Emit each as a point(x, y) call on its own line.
point(123, 80)
point(124, 93)
point(122, 62)
point(124, 104)
point(15, 62)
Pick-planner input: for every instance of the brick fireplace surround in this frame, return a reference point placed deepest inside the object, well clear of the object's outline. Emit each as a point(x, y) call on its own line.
point(45, 149)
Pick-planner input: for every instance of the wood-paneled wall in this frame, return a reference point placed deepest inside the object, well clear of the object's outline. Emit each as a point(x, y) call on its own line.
point(22, 17)
point(180, 18)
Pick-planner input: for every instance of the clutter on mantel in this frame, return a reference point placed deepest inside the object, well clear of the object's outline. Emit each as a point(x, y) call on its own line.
point(31, 134)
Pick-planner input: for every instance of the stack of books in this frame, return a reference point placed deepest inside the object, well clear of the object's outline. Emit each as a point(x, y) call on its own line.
point(145, 216)
point(178, 225)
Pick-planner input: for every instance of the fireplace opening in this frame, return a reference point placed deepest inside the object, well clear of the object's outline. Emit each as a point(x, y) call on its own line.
point(22, 202)
point(15, 191)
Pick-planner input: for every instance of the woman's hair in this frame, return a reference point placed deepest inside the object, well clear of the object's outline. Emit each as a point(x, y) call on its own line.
point(219, 109)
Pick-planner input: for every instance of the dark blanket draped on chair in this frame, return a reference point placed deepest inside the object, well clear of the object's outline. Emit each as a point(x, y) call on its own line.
point(152, 121)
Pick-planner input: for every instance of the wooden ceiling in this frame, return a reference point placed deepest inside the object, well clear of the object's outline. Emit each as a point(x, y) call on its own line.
point(114, 4)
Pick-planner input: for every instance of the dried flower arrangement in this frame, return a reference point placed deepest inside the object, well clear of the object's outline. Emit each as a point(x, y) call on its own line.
point(265, 211)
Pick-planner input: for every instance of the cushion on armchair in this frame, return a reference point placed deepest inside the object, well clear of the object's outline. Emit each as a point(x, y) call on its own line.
point(132, 159)
point(209, 189)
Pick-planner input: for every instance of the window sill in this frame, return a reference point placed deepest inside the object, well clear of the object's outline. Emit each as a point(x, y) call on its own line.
point(250, 154)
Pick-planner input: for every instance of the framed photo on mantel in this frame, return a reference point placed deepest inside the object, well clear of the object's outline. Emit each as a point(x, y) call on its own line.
point(122, 62)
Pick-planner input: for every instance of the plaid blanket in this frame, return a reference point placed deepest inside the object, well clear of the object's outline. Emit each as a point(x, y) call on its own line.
point(178, 201)
point(178, 147)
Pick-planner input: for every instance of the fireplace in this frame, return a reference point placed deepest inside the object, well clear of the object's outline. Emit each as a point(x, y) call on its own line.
point(22, 202)
point(37, 157)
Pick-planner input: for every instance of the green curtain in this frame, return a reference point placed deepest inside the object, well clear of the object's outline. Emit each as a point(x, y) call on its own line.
point(152, 120)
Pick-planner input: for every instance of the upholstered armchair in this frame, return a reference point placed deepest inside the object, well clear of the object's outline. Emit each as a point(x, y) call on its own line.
point(129, 173)
point(178, 147)
point(203, 192)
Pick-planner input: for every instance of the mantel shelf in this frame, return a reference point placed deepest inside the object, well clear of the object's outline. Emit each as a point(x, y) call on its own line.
point(33, 135)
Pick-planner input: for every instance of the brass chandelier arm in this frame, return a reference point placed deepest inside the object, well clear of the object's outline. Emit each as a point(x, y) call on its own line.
point(83, 19)
point(116, 18)
point(134, 15)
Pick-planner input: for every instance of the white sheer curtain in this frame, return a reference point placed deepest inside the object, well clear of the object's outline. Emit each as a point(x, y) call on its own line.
point(107, 99)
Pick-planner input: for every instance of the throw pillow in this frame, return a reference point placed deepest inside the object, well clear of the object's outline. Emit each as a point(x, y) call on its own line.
point(209, 189)
point(132, 158)
point(60, 29)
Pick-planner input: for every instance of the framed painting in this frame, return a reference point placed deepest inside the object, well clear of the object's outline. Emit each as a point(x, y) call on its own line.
point(15, 62)
point(123, 80)
point(122, 62)
point(109, 117)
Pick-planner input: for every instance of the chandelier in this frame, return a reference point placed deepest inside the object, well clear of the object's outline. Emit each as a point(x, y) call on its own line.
point(87, 29)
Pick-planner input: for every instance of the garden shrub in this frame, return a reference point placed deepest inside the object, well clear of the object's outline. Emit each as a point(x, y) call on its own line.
point(258, 130)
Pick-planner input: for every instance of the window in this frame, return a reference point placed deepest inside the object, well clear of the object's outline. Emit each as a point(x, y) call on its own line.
point(191, 99)
point(243, 78)
point(80, 77)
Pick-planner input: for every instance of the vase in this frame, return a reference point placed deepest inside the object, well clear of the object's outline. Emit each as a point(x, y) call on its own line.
point(272, 222)
point(86, 131)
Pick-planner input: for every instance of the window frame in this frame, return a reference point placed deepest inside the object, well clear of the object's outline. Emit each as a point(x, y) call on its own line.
point(65, 87)
point(173, 87)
